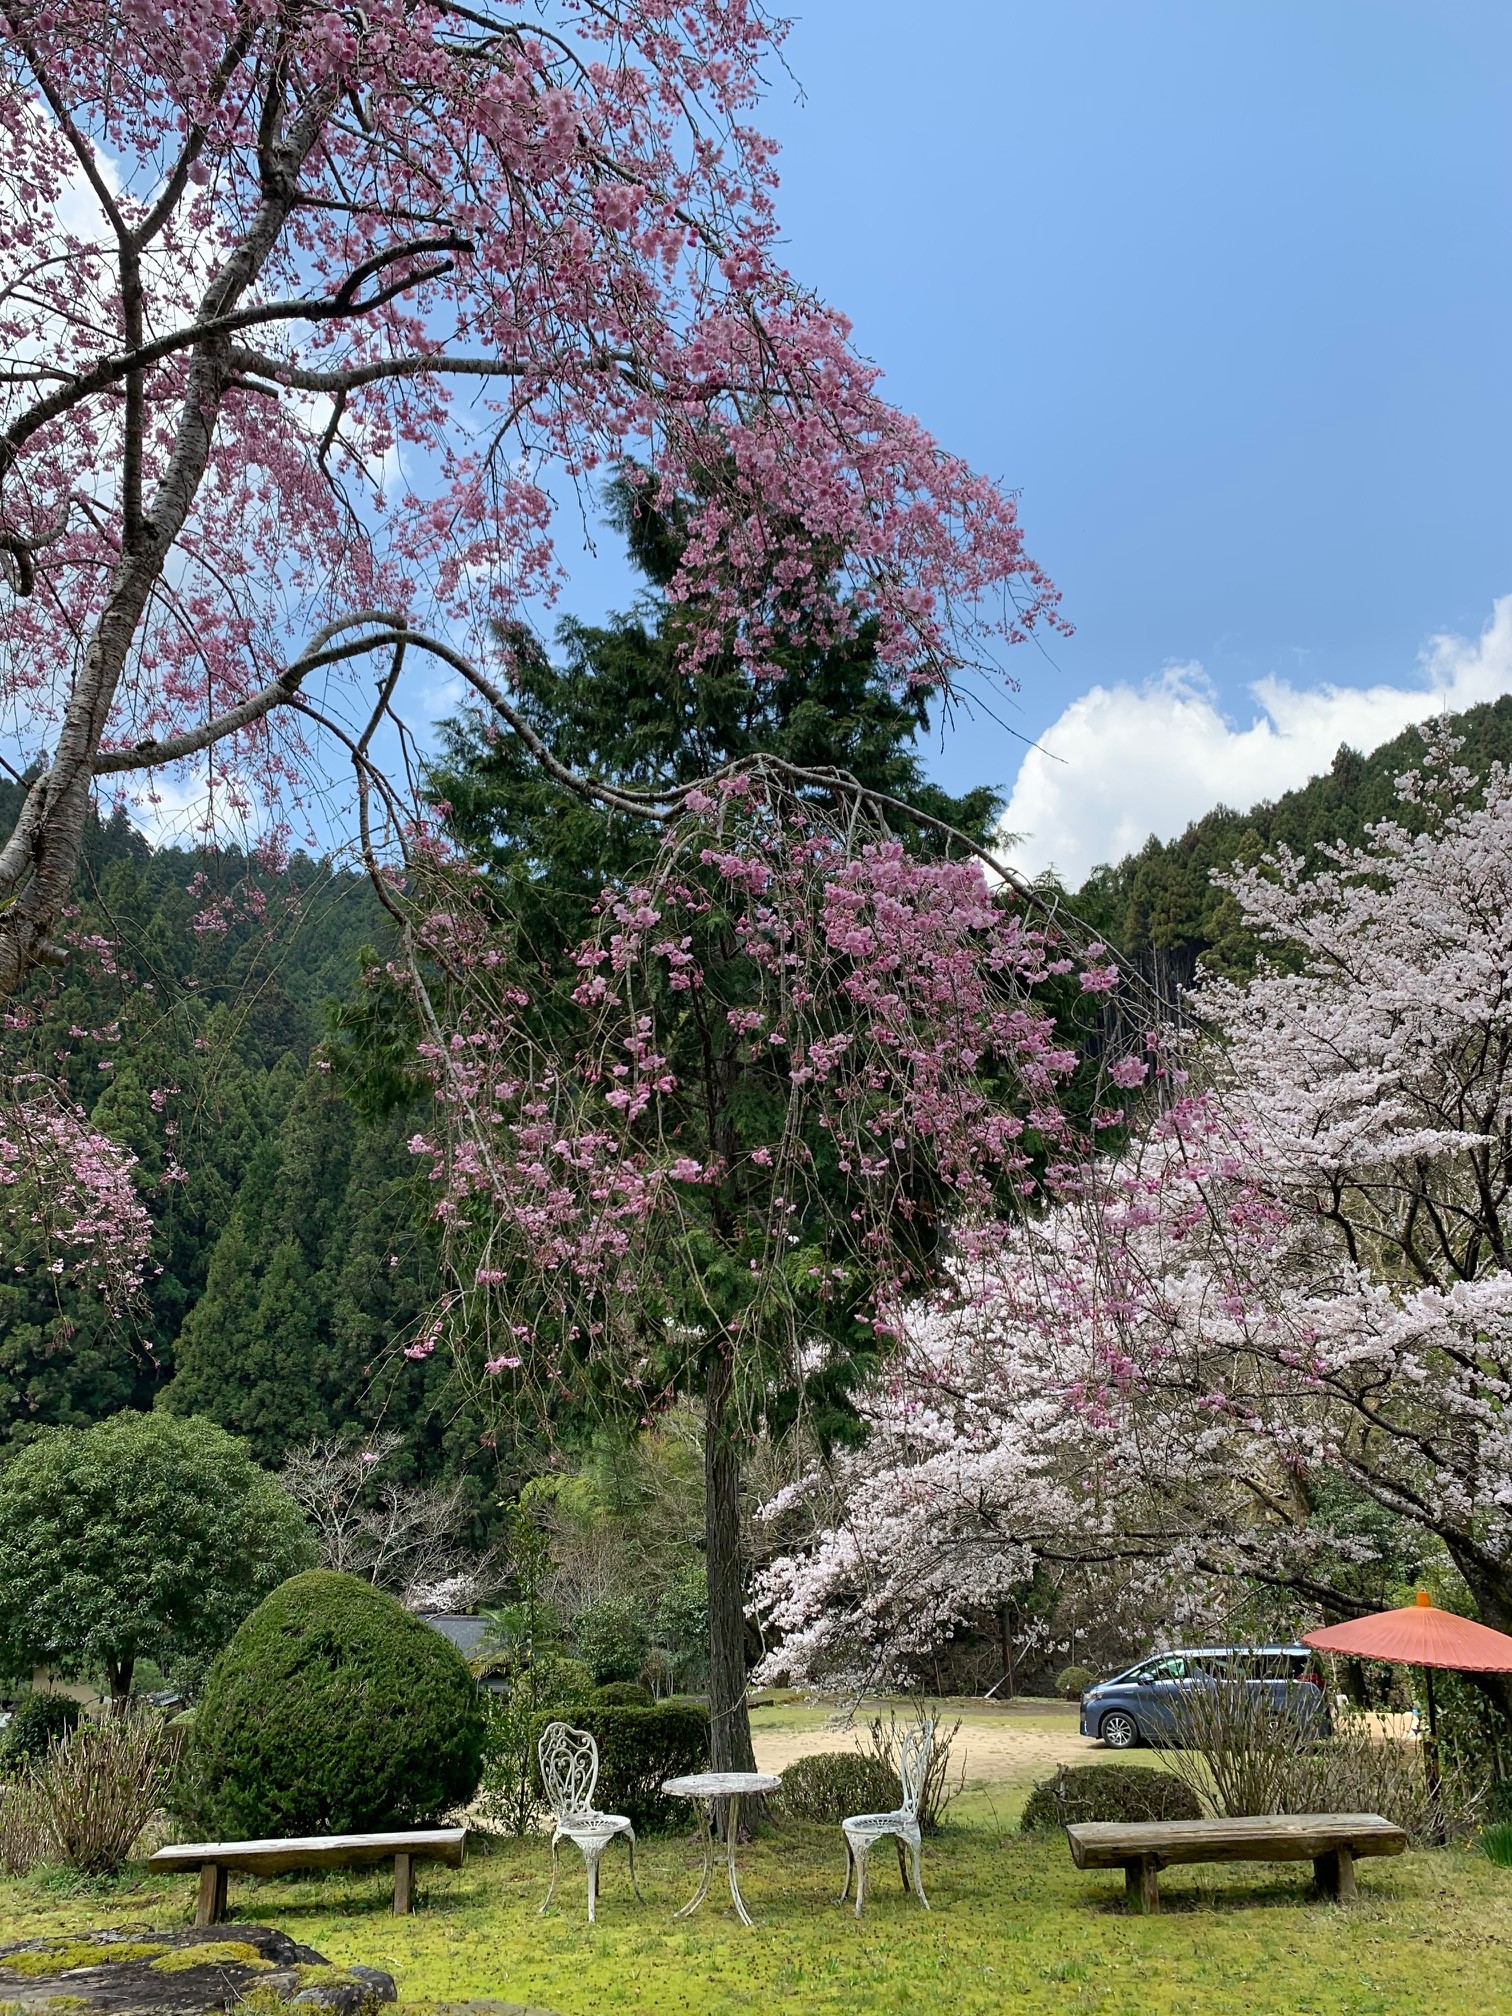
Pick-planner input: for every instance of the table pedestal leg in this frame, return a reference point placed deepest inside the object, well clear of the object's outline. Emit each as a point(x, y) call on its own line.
point(703, 1808)
point(732, 1829)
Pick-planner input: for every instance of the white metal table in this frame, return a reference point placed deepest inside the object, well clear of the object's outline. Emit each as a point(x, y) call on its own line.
point(703, 1788)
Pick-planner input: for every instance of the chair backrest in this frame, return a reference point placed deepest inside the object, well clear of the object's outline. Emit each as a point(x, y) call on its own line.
point(569, 1768)
point(913, 1764)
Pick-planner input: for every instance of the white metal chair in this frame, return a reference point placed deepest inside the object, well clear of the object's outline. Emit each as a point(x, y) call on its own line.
point(569, 1772)
point(863, 1830)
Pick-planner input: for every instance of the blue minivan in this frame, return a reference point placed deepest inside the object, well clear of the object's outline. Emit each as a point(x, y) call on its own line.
point(1138, 1706)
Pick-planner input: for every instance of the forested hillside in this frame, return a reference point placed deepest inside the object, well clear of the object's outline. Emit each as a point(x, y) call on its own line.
point(292, 1258)
point(1160, 906)
point(286, 1263)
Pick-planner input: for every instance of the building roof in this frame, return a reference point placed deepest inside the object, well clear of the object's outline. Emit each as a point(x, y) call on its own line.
point(466, 1633)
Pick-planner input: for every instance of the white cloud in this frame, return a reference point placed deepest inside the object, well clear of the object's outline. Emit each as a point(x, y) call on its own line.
point(1150, 759)
point(176, 808)
point(171, 808)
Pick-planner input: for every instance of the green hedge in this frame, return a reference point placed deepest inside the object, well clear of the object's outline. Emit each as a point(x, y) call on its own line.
point(1073, 1681)
point(624, 1694)
point(40, 1719)
point(834, 1784)
point(1108, 1792)
point(638, 1748)
point(332, 1711)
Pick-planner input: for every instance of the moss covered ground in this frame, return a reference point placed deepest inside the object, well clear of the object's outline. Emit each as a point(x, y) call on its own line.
point(1014, 1925)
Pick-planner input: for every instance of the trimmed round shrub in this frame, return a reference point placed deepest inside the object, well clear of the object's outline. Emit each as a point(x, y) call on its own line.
point(638, 1748)
point(332, 1711)
point(40, 1719)
point(1073, 1681)
point(623, 1694)
point(833, 1784)
point(1108, 1792)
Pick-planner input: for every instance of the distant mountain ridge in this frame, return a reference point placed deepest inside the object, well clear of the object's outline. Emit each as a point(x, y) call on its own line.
point(1160, 906)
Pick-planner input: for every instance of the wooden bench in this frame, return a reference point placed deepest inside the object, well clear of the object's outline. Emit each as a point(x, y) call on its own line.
point(215, 1859)
point(1332, 1842)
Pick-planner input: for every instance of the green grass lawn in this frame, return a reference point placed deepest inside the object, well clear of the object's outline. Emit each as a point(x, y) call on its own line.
point(1013, 1926)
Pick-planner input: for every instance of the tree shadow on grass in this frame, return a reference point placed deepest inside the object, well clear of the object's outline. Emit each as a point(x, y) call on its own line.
point(1194, 1899)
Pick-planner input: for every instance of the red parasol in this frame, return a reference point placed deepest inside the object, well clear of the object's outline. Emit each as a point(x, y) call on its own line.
point(1419, 1635)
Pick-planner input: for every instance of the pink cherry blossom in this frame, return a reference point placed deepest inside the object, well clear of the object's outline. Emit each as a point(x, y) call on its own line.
point(68, 1203)
point(1290, 1284)
point(310, 314)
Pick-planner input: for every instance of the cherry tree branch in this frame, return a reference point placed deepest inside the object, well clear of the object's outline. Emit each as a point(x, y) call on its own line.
point(79, 146)
point(302, 378)
point(123, 364)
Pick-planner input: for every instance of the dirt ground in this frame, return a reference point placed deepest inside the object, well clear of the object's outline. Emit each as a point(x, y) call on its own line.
point(1004, 1750)
point(1010, 1746)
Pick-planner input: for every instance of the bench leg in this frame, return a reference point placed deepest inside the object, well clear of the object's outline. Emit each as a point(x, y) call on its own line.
point(1142, 1885)
point(1335, 1873)
point(211, 1908)
point(404, 1867)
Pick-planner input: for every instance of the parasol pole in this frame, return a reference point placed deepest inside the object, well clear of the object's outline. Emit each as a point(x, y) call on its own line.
point(1420, 1634)
point(1431, 1762)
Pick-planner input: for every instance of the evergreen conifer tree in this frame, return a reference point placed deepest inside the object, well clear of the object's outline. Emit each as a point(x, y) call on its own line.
point(620, 704)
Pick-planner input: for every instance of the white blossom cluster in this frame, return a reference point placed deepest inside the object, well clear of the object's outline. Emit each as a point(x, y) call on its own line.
point(1287, 1299)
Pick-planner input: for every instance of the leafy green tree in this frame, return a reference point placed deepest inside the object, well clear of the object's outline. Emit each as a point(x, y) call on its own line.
point(65, 1360)
point(621, 706)
point(682, 1622)
point(545, 1684)
point(613, 1636)
point(182, 1024)
point(141, 1537)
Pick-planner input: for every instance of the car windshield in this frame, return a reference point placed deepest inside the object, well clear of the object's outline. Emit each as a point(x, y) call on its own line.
point(1169, 1666)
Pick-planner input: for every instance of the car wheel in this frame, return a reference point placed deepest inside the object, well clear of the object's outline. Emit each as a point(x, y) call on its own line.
point(1119, 1730)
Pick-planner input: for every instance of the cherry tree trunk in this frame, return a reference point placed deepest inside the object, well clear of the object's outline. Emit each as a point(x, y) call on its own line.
point(729, 1719)
point(1493, 1605)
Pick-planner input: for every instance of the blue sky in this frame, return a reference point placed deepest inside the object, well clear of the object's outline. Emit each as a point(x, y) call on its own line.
point(1224, 289)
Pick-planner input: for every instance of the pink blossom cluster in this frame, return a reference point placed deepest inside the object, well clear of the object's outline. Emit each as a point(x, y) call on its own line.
point(69, 1208)
point(304, 310)
point(974, 1470)
point(884, 1012)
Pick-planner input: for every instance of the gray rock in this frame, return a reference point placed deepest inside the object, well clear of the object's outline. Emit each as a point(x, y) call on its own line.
point(135, 1971)
point(362, 1989)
